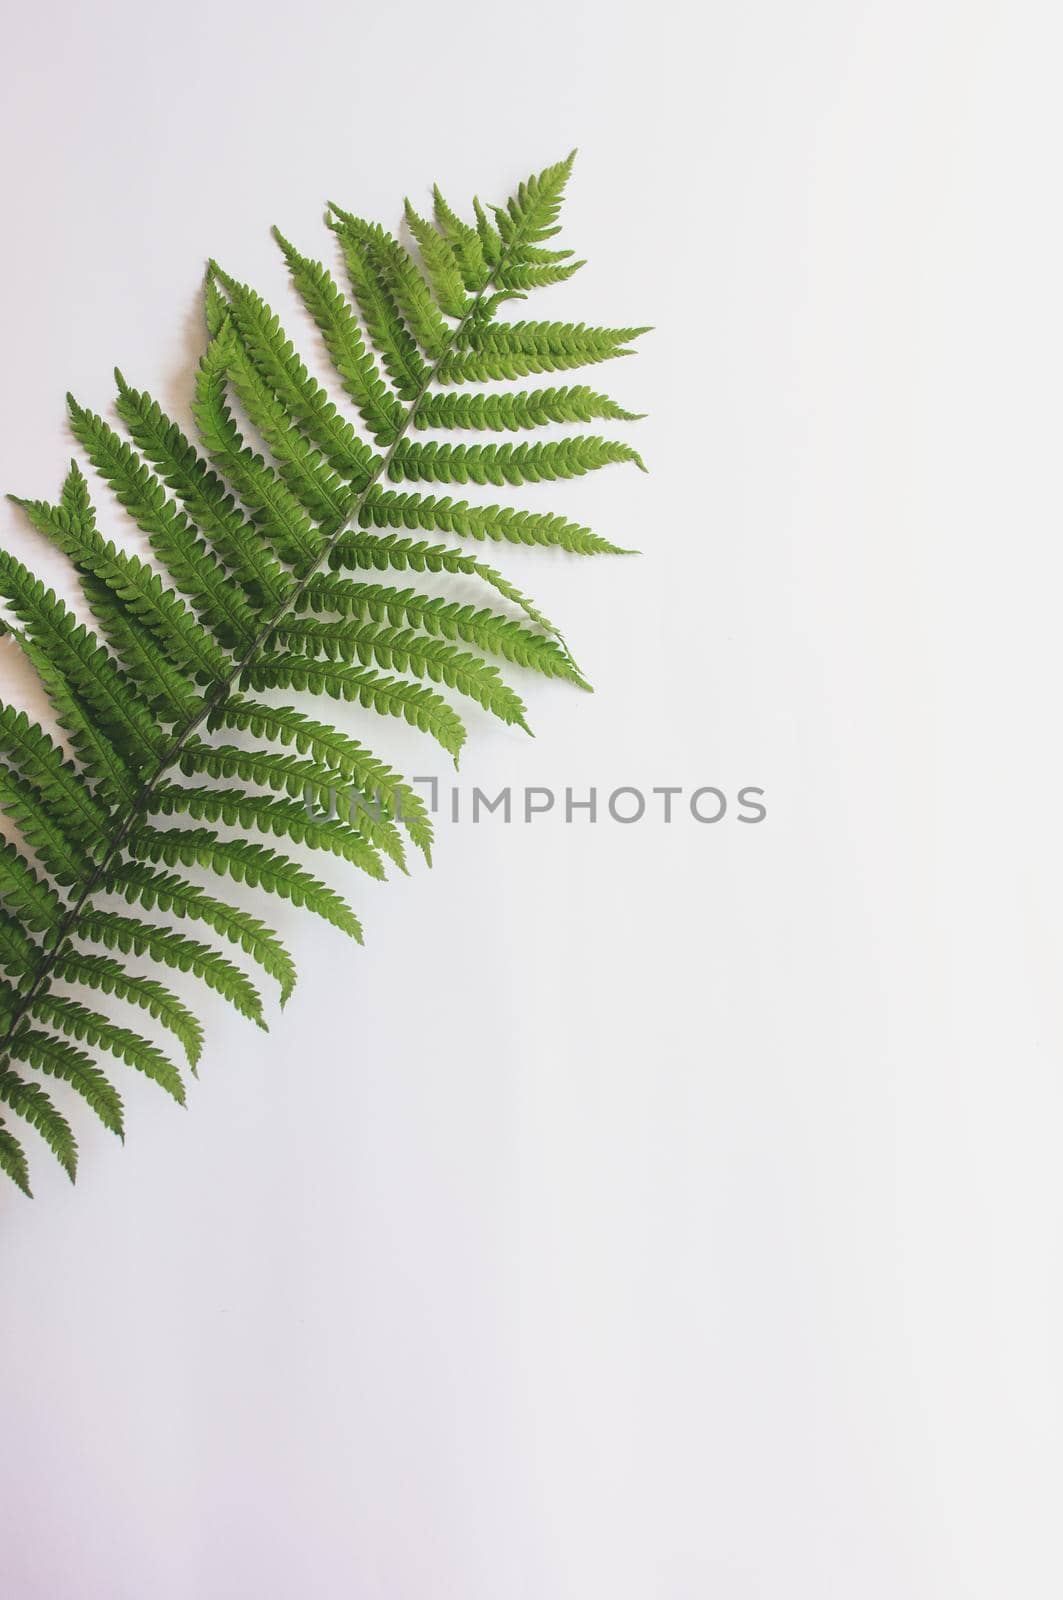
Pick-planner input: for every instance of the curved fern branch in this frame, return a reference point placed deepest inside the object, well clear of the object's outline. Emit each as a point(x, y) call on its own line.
point(239, 595)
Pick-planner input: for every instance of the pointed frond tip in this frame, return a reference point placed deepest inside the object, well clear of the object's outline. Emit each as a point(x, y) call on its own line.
point(279, 547)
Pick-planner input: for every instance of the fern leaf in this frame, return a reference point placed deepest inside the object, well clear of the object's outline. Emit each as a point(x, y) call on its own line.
point(24, 891)
point(421, 708)
point(275, 510)
point(440, 263)
point(333, 750)
point(43, 763)
point(507, 463)
point(215, 305)
point(65, 861)
point(403, 650)
point(108, 975)
point(37, 1108)
point(343, 339)
point(554, 338)
point(171, 695)
point(401, 280)
point(513, 412)
point(300, 396)
point(317, 786)
point(139, 586)
point(244, 862)
point(368, 552)
point(101, 761)
point(306, 473)
point(519, 349)
point(78, 654)
point(383, 323)
point(202, 493)
point(9, 1005)
point(170, 892)
point(233, 597)
point(302, 777)
point(387, 509)
point(531, 214)
point(194, 568)
point(57, 1059)
point(186, 643)
point(379, 552)
point(89, 1027)
point(285, 818)
point(132, 936)
point(13, 1160)
point(535, 255)
point(489, 237)
point(137, 651)
point(487, 630)
point(535, 275)
point(18, 952)
point(465, 243)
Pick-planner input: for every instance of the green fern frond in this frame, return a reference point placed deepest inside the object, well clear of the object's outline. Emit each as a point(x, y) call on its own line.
point(242, 591)
point(488, 630)
point(521, 349)
point(274, 509)
point(110, 774)
point(25, 893)
point(538, 276)
point(514, 412)
point(367, 552)
point(167, 891)
point(245, 862)
point(194, 568)
point(13, 1160)
point(215, 305)
point(383, 323)
point(41, 761)
point(78, 654)
point(109, 976)
point(89, 1027)
point(65, 860)
point(203, 494)
point(72, 527)
point(530, 215)
point(132, 936)
point(421, 708)
point(295, 392)
point(357, 369)
point(138, 585)
point(387, 509)
point(18, 952)
point(172, 696)
point(403, 650)
point(403, 288)
point(554, 338)
point(333, 750)
point(319, 786)
point(441, 264)
point(490, 239)
point(35, 1106)
point(58, 1059)
point(507, 463)
point(322, 494)
point(285, 818)
point(465, 243)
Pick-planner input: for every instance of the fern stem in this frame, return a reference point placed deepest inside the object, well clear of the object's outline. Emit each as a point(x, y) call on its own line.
point(221, 691)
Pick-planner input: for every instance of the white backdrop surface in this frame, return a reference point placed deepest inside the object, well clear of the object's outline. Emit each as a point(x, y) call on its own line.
point(658, 1210)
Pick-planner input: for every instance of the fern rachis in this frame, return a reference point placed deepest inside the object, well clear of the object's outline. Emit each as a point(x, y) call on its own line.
point(243, 592)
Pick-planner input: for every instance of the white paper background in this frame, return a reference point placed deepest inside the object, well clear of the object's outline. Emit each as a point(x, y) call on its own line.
point(663, 1211)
